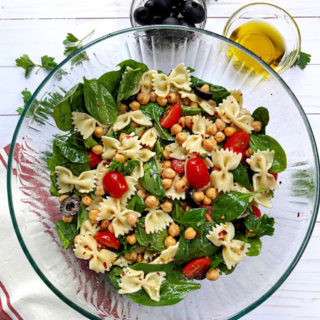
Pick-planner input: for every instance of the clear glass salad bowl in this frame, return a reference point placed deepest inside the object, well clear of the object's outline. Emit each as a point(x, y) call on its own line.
point(295, 204)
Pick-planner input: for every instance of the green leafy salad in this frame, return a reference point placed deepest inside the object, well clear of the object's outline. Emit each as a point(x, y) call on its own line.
point(160, 178)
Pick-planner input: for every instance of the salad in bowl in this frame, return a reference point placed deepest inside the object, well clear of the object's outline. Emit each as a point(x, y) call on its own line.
point(161, 178)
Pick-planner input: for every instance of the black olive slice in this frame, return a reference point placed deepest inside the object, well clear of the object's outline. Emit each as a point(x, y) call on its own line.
point(201, 94)
point(70, 206)
point(190, 199)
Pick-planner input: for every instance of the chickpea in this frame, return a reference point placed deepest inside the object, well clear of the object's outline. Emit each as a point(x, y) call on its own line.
point(132, 219)
point(166, 154)
point(186, 101)
point(212, 274)
point(174, 230)
point(189, 121)
point(104, 224)
point(206, 200)
point(209, 144)
point(93, 215)
point(193, 105)
point(220, 124)
point(182, 122)
point(181, 137)
point(119, 157)
point(111, 228)
point(168, 173)
point(143, 98)
point(166, 183)
point(99, 191)
point(205, 88)
point(219, 136)
point(229, 131)
point(175, 129)
point(151, 202)
point(248, 153)
point(123, 107)
point(122, 137)
point(211, 193)
point(166, 164)
point(190, 233)
point(131, 256)
point(162, 101)
point(86, 200)
point(212, 129)
point(142, 194)
point(166, 206)
point(139, 258)
point(134, 105)
point(172, 97)
point(180, 185)
point(77, 238)
point(98, 132)
point(63, 197)
point(256, 125)
point(198, 196)
point(98, 149)
point(153, 97)
point(185, 179)
point(131, 238)
point(169, 241)
point(67, 219)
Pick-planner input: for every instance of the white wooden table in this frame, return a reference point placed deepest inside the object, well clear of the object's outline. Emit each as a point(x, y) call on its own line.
point(37, 27)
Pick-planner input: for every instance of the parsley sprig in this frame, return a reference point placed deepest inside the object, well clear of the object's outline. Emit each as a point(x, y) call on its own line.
point(125, 168)
point(302, 60)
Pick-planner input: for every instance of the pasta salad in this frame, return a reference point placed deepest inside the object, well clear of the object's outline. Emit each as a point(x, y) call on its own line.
point(160, 179)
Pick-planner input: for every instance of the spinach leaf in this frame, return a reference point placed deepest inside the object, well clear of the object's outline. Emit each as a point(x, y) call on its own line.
point(124, 168)
point(77, 99)
point(114, 276)
point(89, 142)
point(125, 246)
point(136, 203)
point(62, 115)
point(155, 112)
point(158, 151)
point(82, 216)
point(78, 168)
point(99, 101)
point(263, 226)
point(151, 241)
point(54, 185)
point(224, 269)
point(151, 180)
point(73, 152)
point(216, 260)
point(188, 111)
point(111, 81)
point(133, 64)
point(229, 206)
point(255, 244)
point(261, 114)
point(264, 142)
point(177, 213)
point(241, 176)
point(66, 233)
point(194, 218)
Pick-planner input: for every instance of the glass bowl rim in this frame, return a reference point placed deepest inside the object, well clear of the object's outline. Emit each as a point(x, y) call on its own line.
point(306, 239)
point(228, 23)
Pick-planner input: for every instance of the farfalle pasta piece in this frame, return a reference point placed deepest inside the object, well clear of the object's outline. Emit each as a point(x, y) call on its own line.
point(149, 138)
point(89, 227)
point(122, 262)
point(146, 81)
point(237, 94)
point(120, 224)
point(145, 155)
point(136, 116)
point(200, 125)
point(66, 180)
point(108, 208)
point(149, 255)
point(86, 247)
point(138, 172)
point(134, 280)
point(166, 255)
point(83, 123)
point(95, 204)
point(224, 161)
point(230, 111)
point(102, 170)
point(208, 106)
point(176, 151)
point(172, 194)
point(131, 182)
point(233, 250)
point(194, 144)
point(156, 220)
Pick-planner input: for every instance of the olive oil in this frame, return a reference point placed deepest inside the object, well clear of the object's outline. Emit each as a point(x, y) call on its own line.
point(262, 39)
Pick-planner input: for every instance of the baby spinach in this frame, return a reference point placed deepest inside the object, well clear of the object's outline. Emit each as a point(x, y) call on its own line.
point(216, 259)
point(136, 203)
point(261, 114)
point(78, 168)
point(151, 180)
point(77, 98)
point(151, 241)
point(128, 85)
point(263, 226)
point(82, 216)
point(111, 81)
point(133, 65)
point(264, 142)
point(114, 276)
point(229, 206)
point(240, 175)
point(73, 153)
point(255, 244)
point(54, 188)
point(189, 111)
point(99, 101)
point(194, 218)
point(66, 233)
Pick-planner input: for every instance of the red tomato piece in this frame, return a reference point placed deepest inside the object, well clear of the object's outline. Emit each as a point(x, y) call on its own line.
point(94, 159)
point(108, 240)
point(256, 211)
point(171, 116)
point(238, 150)
point(178, 165)
point(197, 173)
point(239, 140)
point(275, 175)
point(196, 268)
point(115, 184)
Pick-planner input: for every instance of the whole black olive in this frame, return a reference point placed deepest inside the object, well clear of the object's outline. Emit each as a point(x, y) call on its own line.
point(156, 20)
point(159, 7)
point(142, 15)
point(70, 206)
point(130, 99)
point(201, 94)
point(193, 12)
point(171, 20)
point(186, 23)
point(190, 199)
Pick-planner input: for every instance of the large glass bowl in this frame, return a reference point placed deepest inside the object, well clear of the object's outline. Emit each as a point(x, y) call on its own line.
point(295, 204)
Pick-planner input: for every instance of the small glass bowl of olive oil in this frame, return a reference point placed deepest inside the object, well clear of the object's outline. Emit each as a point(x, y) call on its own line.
point(268, 31)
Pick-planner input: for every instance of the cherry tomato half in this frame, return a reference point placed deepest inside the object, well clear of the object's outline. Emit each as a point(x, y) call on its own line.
point(196, 268)
point(115, 184)
point(94, 159)
point(256, 211)
point(239, 140)
point(171, 116)
point(238, 150)
point(108, 240)
point(178, 165)
point(275, 175)
point(197, 173)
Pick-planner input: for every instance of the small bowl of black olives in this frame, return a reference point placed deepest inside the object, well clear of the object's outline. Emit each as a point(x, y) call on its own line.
point(190, 13)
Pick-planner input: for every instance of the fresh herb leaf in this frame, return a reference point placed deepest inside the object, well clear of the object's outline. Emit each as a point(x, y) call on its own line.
point(216, 260)
point(48, 63)
point(125, 168)
point(125, 246)
point(261, 114)
point(66, 233)
point(264, 142)
point(240, 175)
point(260, 227)
point(26, 63)
point(70, 38)
point(82, 216)
point(302, 60)
point(26, 95)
